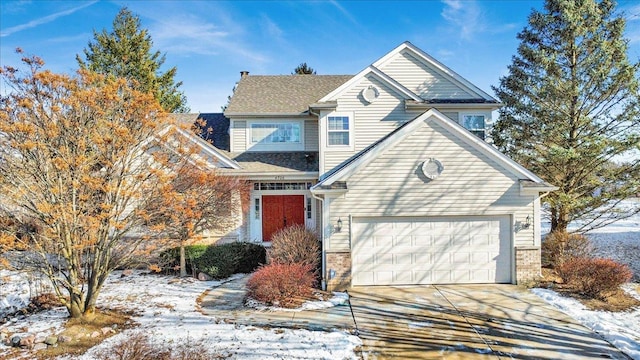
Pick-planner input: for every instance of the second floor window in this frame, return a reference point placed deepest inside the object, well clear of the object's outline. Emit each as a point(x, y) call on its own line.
point(275, 133)
point(475, 124)
point(338, 130)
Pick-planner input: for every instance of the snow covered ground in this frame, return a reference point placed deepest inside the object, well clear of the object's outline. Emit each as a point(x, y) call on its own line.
point(621, 242)
point(167, 312)
point(621, 329)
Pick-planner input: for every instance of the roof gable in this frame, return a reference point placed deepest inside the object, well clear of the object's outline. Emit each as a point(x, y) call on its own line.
point(434, 71)
point(212, 156)
point(366, 156)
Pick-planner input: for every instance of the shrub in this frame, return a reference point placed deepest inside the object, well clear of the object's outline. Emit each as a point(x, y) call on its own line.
point(140, 347)
point(559, 247)
point(593, 277)
point(251, 256)
point(218, 261)
point(170, 258)
point(296, 245)
point(284, 285)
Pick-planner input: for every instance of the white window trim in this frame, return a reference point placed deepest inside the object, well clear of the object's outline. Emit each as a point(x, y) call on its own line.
point(487, 119)
point(325, 130)
point(252, 146)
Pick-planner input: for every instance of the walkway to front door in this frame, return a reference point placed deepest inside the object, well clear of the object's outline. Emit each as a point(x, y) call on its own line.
point(280, 211)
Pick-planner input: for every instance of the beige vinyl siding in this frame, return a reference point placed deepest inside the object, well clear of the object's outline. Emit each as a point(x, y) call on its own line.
point(471, 184)
point(311, 135)
point(239, 136)
point(453, 115)
point(372, 121)
point(422, 79)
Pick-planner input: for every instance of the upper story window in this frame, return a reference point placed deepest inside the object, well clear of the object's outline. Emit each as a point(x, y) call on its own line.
point(275, 133)
point(338, 130)
point(475, 124)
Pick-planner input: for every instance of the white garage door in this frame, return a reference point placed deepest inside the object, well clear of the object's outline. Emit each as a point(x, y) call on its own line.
point(447, 250)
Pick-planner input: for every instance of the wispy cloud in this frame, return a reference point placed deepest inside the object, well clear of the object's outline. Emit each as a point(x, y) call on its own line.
point(344, 12)
point(466, 16)
point(271, 28)
point(43, 20)
point(189, 34)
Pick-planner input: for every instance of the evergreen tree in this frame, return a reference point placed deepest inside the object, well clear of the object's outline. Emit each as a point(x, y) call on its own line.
point(126, 52)
point(303, 69)
point(571, 111)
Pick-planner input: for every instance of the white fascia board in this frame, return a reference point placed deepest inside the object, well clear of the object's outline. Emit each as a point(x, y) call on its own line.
point(205, 146)
point(484, 147)
point(423, 106)
point(536, 190)
point(380, 75)
point(443, 69)
point(271, 176)
point(239, 115)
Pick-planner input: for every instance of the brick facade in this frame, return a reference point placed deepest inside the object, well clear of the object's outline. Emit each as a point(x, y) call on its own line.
point(340, 263)
point(528, 264)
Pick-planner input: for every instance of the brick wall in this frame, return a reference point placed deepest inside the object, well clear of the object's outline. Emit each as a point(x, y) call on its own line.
point(528, 264)
point(341, 264)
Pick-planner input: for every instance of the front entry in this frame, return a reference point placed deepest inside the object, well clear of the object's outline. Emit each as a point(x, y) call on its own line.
point(280, 211)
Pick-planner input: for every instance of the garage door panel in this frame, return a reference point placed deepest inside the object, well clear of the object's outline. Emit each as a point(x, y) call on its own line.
point(396, 251)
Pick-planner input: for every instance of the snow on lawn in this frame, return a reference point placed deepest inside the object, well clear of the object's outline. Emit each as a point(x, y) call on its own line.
point(621, 242)
point(166, 311)
point(621, 329)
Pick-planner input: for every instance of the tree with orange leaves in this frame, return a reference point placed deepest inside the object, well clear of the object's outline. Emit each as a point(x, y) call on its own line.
point(197, 200)
point(74, 161)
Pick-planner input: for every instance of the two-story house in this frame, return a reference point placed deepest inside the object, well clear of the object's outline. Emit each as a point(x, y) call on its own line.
point(390, 166)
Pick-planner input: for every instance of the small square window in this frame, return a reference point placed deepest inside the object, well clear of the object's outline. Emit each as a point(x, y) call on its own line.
point(338, 131)
point(475, 124)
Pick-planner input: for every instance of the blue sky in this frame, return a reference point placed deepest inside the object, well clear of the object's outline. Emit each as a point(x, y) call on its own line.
point(212, 41)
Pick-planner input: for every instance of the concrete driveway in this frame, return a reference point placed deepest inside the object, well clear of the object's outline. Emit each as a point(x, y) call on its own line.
point(468, 322)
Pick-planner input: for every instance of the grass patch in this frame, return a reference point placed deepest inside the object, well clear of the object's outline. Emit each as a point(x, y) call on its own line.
point(80, 330)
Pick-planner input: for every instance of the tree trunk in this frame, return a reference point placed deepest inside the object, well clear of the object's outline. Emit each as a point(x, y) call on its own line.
point(76, 307)
point(559, 220)
point(183, 261)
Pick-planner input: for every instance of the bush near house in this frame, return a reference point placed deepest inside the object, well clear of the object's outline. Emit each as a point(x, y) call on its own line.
point(594, 277)
point(560, 246)
point(283, 285)
point(218, 261)
point(296, 245)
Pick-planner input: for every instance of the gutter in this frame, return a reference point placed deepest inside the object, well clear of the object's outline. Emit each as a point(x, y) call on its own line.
point(323, 281)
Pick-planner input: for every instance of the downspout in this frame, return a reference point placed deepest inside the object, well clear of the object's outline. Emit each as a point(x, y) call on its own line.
point(323, 281)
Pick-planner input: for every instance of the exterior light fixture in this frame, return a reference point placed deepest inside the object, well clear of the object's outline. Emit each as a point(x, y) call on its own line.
point(339, 225)
point(527, 222)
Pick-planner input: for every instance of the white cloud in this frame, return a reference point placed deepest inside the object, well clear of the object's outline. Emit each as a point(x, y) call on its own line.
point(344, 12)
point(43, 20)
point(271, 28)
point(465, 16)
point(189, 34)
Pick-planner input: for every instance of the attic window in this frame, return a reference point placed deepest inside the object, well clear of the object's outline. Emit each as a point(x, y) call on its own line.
point(475, 124)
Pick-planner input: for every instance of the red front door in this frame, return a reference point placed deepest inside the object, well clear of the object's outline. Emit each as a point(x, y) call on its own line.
point(280, 211)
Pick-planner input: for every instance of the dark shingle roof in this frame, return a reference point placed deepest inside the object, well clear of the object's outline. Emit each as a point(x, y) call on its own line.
point(276, 162)
point(281, 94)
point(216, 130)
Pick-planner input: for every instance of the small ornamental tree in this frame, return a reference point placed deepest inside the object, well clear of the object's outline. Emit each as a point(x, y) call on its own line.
point(197, 199)
point(71, 162)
